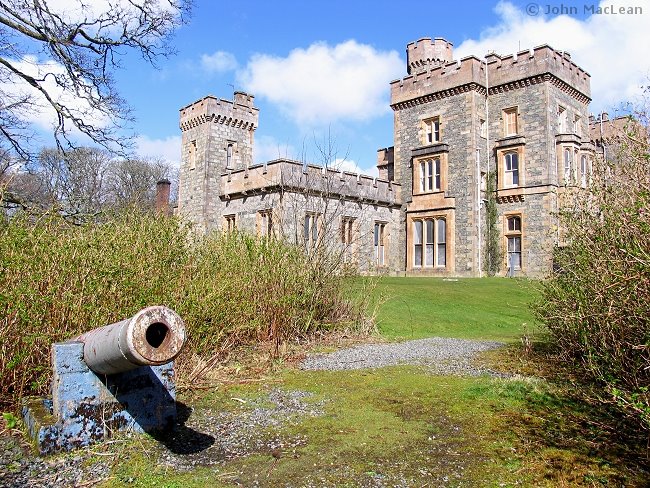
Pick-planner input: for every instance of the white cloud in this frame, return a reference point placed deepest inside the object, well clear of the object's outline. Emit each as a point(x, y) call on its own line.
point(611, 48)
point(323, 84)
point(83, 10)
point(167, 149)
point(41, 113)
point(218, 62)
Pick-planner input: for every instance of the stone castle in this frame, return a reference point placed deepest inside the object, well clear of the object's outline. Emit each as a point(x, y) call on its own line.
point(524, 117)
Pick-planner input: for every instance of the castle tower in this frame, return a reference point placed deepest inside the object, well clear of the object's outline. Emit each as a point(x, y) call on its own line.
point(426, 54)
point(217, 138)
point(522, 117)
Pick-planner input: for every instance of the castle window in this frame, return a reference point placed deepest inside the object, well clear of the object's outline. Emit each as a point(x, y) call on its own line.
point(576, 125)
point(483, 128)
point(513, 240)
point(567, 165)
point(310, 230)
point(432, 130)
point(380, 243)
point(430, 175)
point(510, 121)
point(511, 169)
point(562, 120)
point(441, 240)
point(265, 223)
point(229, 223)
point(347, 238)
point(417, 243)
point(428, 253)
point(584, 170)
point(229, 150)
point(430, 243)
point(192, 155)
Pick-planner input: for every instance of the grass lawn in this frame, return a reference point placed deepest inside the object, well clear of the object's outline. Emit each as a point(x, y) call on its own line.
point(487, 308)
point(403, 426)
point(400, 426)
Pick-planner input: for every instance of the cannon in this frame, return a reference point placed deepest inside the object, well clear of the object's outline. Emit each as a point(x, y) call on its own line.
point(114, 378)
point(153, 336)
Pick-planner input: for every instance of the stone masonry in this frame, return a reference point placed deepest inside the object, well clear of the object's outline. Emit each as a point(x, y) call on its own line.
point(524, 117)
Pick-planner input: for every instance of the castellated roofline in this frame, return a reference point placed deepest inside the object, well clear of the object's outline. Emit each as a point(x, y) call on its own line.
point(503, 71)
point(295, 176)
point(239, 112)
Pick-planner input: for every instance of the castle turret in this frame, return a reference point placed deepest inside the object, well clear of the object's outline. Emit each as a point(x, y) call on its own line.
point(426, 54)
point(217, 137)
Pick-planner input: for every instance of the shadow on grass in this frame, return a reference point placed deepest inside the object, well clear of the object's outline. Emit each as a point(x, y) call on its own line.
point(184, 440)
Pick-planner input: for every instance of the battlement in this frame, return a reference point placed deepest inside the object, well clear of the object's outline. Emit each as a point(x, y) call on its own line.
point(239, 112)
point(538, 61)
point(538, 64)
point(296, 176)
point(426, 53)
point(447, 79)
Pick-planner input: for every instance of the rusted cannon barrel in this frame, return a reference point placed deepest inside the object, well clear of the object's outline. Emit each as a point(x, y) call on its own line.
point(153, 336)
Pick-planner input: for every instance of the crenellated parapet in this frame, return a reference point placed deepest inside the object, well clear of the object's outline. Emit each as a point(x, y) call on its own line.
point(439, 82)
point(239, 113)
point(296, 176)
point(540, 64)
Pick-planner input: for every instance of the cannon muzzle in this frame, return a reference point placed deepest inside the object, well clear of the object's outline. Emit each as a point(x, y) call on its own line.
point(153, 336)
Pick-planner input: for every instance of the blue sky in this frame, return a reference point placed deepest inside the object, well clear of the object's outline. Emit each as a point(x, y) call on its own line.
point(324, 67)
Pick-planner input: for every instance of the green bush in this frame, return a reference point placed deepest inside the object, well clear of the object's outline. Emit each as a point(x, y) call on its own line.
point(596, 304)
point(58, 280)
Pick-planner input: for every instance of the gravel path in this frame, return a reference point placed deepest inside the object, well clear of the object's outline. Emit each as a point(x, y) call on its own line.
point(440, 355)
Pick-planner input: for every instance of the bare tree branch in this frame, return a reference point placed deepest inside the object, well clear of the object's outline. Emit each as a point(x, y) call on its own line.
point(83, 47)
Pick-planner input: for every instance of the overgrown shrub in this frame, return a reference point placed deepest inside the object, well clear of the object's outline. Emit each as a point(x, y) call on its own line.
point(596, 304)
point(58, 280)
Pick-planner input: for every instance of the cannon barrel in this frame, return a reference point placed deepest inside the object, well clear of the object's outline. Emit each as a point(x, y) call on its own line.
point(153, 336)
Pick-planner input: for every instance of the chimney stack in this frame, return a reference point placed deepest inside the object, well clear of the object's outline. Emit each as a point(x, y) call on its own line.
point(162, 196)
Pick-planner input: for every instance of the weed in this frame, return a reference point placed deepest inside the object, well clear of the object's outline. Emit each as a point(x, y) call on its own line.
point(58, 280)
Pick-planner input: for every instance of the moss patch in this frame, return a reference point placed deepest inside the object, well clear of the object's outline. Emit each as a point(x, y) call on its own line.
point(401, 426)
